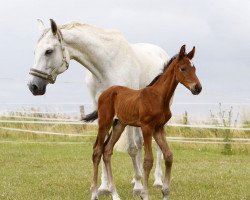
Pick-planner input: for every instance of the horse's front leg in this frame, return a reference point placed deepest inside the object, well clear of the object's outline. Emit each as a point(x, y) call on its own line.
point(134, 150)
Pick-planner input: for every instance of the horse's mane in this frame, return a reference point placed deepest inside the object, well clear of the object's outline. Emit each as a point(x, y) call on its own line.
point(71, 25)
point(164, 69)
point(75, 24)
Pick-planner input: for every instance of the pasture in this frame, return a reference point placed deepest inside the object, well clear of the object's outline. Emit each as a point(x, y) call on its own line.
point(38, 166)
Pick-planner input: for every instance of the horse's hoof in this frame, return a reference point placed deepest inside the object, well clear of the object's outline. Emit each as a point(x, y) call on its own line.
point(144, 198)
point(116, 198)
point(144, 195)
point(137, 192)
point(103, 191)
point(94, 197)
point(158, 184)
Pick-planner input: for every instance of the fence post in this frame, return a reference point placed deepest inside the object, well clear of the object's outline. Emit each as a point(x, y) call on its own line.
point(82, 113)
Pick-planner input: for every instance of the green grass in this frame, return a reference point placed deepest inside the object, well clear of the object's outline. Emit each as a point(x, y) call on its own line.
point(64, 171)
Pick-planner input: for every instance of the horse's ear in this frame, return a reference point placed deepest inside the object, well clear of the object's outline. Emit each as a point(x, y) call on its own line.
point(190, 55)
point(53, 26)
point(40, 25)
point(182, 52)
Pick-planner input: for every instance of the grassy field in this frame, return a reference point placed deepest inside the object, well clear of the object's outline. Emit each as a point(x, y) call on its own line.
point(60, 167)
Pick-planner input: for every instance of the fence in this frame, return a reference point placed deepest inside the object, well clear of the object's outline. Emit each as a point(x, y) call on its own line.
point(20, 117)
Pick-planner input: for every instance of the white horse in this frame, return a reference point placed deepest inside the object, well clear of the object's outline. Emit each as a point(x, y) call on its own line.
point(110, 60)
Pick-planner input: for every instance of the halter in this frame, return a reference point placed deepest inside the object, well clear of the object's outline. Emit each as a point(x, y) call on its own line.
point(51, 77)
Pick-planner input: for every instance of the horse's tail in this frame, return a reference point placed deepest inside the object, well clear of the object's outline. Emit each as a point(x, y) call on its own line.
point(91, 117)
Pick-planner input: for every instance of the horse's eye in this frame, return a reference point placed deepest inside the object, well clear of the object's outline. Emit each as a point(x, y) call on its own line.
point(48, 52)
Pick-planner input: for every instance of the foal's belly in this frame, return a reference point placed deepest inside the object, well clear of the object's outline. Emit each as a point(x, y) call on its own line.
point(129, 117)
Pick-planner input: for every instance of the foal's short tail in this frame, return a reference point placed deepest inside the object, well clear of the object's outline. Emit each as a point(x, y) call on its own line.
point(91, 117)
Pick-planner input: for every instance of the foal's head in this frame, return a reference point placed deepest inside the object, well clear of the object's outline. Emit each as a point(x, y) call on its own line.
point(185, 71)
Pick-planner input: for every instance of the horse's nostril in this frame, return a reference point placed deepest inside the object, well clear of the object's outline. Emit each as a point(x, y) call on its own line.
point(34, 87)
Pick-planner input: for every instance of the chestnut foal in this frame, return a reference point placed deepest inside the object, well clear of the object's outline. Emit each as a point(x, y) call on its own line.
point(147, 108)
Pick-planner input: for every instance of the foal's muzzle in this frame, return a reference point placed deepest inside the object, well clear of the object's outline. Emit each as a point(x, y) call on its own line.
point(196, 89)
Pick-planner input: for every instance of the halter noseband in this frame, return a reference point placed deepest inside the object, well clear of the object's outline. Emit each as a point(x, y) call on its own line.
point(51, 77)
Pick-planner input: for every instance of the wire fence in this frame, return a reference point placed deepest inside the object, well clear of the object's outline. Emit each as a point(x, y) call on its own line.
point(9, 118)
point(245, 141)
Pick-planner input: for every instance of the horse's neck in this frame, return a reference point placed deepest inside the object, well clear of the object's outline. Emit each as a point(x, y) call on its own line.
point(89, 48)
point(167, 84)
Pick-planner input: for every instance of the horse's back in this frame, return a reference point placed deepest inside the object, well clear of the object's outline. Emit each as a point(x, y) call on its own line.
point(151, 58)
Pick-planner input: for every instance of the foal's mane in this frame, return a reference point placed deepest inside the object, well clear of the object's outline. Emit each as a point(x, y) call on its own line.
point(164, 69)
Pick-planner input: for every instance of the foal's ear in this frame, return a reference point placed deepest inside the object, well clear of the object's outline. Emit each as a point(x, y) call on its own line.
point(190, 55)
point(40, 25)
point(182, 52)
point(53, 26)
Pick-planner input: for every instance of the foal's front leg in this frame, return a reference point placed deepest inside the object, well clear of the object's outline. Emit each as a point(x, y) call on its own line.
point(168, 157)
point(148, 159)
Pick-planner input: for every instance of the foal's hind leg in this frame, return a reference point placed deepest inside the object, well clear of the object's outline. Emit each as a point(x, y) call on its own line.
point(108, 151)
point(97, 154)
point(168, 157)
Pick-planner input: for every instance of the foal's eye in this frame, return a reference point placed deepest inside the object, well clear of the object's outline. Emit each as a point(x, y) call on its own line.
point(48, 52)
point(183, 69)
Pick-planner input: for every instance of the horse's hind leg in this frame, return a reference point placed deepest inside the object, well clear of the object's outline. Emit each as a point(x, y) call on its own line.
point(158, 169)
point(168, 157)
point(103, 189)
point(137, 161)
point(108, 151)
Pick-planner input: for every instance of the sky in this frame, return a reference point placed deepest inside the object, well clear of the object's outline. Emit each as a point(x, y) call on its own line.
point(220, 30)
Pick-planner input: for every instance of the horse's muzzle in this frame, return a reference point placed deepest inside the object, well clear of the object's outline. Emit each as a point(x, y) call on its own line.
point(36, 90)
point(37, 86)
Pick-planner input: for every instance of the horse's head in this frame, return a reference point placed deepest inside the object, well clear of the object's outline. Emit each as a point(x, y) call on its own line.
point(51, 59)
point(185, 71)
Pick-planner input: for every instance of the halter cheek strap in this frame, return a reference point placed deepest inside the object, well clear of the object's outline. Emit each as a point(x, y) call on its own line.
point(51, 77)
